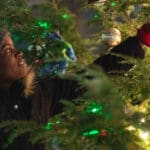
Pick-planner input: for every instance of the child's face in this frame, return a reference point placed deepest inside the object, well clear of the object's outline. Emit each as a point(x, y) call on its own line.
point(12, 64)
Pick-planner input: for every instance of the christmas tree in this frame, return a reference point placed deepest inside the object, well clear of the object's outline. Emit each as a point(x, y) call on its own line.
point(113, 113)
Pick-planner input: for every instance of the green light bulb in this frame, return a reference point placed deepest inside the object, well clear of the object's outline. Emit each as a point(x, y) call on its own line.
point(44, 24)
point(113, 4)
point(96, 16)
point(94, 108)
point(65, 16)
point(55, 72)
point(57, 122)
point(92, 132)
point(48, 126)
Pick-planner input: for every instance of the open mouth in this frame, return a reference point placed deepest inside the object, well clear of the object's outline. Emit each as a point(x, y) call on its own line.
point(22, 62)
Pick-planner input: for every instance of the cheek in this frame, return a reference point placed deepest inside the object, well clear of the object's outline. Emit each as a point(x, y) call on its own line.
point(9, 68)
point(16, 71)
point(4, 66)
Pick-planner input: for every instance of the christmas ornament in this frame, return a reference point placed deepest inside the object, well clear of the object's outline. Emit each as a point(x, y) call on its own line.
point(36, 53)
point(112, 37)
point(143, 34)
point(56, 55)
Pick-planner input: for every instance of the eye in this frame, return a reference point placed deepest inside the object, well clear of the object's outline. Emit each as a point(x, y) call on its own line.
point(5, 51)
point(8, 50)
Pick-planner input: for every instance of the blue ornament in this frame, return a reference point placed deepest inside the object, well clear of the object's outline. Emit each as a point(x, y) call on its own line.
point(54, 36)
point(66, 52)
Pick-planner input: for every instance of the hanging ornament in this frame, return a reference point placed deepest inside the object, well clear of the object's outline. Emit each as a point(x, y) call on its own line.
point(112, 37)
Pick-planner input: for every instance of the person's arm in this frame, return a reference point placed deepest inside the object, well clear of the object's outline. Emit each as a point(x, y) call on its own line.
point(48, 95)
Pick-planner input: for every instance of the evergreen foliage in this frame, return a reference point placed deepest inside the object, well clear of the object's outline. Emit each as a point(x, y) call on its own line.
point(102, 118)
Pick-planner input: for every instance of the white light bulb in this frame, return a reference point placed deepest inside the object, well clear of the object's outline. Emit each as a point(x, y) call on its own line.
point(15, 106)
point(142, 120)
point(144, 135)
point(131, 128)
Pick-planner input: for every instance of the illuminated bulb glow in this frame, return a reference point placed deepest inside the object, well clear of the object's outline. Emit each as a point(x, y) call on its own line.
point(94, 108)
point(91, 132)
point(131, 128)
point(113, 4)
point(48, 126)
point(144, 135)
point(65, 16)
point(142, 120)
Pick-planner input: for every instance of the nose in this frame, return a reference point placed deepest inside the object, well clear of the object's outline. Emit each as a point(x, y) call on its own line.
point(19, 54)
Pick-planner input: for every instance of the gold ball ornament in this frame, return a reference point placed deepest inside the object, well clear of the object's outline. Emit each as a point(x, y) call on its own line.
point(112, 37)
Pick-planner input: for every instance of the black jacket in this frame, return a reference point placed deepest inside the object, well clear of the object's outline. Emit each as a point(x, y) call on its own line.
point(38, 106)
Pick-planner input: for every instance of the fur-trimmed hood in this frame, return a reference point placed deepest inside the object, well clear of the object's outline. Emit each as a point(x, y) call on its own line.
point(29, 82)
